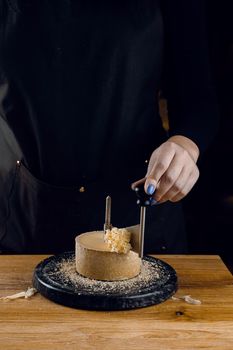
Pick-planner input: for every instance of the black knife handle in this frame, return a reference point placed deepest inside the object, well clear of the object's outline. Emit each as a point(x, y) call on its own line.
point(143, 199)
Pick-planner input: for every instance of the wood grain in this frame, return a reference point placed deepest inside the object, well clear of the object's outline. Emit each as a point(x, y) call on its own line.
point(40, 324)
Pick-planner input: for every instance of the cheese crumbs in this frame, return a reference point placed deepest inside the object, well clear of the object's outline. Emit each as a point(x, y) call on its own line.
point(118, 240)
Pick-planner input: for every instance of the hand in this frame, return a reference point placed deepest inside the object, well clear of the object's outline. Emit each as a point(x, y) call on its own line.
point(172, 170)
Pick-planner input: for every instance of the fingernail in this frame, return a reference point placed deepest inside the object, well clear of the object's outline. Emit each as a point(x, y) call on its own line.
point(150, 189)
point(154, 202)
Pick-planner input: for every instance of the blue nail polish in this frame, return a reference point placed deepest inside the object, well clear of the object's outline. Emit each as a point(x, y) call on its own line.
point(150, 189)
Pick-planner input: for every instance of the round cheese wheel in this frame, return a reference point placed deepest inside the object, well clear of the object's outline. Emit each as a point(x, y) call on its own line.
point(95, 260)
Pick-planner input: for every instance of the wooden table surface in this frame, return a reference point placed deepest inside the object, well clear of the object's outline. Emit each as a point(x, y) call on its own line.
point(38, 323)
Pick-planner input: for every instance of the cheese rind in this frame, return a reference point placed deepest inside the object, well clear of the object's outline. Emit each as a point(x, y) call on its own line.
point(95, 260)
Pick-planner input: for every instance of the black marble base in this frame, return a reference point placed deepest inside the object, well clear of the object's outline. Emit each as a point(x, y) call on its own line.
point(154, 290)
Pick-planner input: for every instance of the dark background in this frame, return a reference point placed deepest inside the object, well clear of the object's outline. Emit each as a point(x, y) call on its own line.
point(209, 207)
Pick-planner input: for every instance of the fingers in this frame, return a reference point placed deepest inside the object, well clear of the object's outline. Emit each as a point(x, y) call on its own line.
point(169, 178)
point(171, 173)
point(182, 186)
point(187, 187)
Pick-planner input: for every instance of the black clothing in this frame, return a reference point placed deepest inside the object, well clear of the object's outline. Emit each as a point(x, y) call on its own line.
point(78, 102)
point(193, 107)
point(77, 80)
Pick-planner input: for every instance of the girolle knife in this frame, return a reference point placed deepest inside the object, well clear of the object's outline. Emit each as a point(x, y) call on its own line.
point(144, 200)
point(138, 231)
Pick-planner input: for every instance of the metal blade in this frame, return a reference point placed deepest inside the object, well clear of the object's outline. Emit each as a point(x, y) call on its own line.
point(142, 231)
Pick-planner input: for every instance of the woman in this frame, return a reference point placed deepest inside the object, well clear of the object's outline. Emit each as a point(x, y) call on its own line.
point(79, 117)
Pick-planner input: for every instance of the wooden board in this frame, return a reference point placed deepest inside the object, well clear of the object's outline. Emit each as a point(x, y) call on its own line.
point(40, 324)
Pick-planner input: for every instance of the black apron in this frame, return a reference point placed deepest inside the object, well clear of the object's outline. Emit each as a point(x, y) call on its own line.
point(78, 120)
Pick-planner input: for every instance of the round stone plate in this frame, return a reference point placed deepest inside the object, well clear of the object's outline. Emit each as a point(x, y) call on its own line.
point(56, 279)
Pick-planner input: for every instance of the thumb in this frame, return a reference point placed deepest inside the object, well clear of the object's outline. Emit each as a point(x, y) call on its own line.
point(147, 182)
point(158, 165)
point(150, 185)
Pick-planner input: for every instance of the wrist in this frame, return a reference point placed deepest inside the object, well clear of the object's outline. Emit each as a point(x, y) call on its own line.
point(189, 145)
